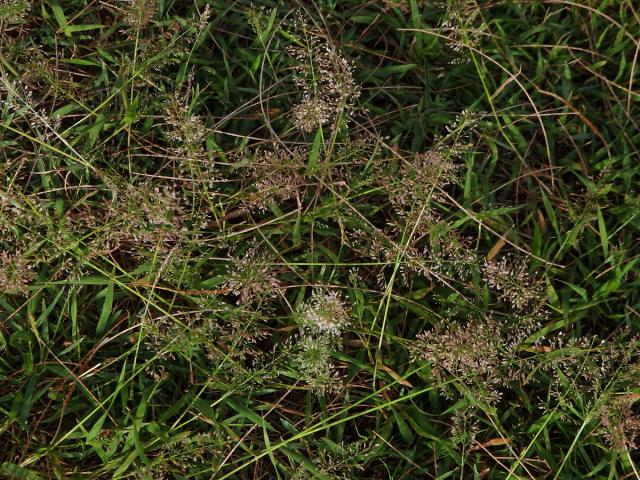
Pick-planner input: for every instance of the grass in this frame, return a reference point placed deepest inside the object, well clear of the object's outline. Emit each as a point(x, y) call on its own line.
point(325, 239)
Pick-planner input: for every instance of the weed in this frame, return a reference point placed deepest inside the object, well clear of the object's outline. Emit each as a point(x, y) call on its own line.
point(322, 239)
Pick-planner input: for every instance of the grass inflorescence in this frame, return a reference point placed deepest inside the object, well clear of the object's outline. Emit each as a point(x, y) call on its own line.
point(333, 240)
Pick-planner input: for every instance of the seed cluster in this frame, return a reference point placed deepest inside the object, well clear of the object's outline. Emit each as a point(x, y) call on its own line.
point(322, 320)
point(325, 77)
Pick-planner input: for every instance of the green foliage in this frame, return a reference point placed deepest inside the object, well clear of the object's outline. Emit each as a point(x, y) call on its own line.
point(331, 240)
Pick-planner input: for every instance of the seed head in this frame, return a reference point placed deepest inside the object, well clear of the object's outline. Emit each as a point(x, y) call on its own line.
point(620, 425)
point(140, 13)
point(309, 114)
point(251, 277)
point(471, 352)
point(15, 273)
point(324, 314)
point(314, 361)
point(277, 175)
point(325, 76)
point(515, 284)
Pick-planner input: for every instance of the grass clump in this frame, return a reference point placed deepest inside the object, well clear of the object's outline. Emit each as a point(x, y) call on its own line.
point(326, 240)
